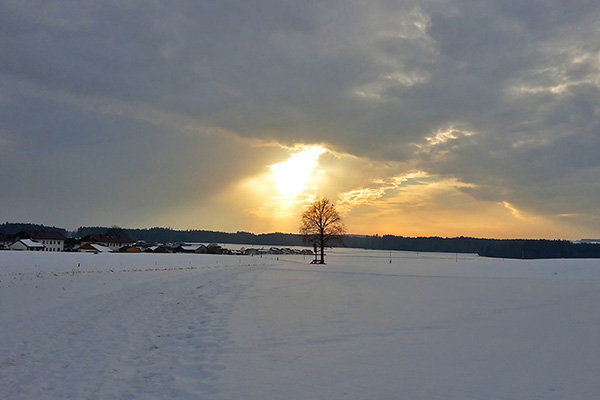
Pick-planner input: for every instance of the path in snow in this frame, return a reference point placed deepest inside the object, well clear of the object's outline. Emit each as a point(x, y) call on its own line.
point(147, 334)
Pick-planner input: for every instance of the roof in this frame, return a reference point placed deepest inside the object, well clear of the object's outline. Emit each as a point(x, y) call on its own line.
point(120, 238)
point(191, 247)
point(30, 243)
point(95, 247)
point(41, 235)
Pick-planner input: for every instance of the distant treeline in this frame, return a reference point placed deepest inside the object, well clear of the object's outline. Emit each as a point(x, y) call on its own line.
point(514, 248)
point(530, 249)
point(9, 228)
point(517, 248)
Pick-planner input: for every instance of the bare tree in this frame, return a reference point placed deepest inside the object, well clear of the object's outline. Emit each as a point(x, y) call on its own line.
point(321, 224)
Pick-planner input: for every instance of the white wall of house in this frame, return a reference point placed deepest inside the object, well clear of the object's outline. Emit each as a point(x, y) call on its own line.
point(114, 246)
point(53, 245)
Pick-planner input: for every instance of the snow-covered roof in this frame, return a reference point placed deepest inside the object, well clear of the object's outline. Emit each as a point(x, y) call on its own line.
point(31, 244)
point(100, 248)
point(191, 247)
point(96, 247)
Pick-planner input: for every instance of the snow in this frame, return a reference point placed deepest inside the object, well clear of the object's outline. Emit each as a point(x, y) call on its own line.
point(191, 326)
point(30, 243)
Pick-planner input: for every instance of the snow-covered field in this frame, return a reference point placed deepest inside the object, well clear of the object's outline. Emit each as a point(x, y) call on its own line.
point(425, 326)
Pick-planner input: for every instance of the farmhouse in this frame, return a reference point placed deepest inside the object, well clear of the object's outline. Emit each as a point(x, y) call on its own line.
point(50, 240)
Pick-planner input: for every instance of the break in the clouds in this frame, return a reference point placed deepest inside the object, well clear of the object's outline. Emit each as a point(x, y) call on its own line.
point(172, 113)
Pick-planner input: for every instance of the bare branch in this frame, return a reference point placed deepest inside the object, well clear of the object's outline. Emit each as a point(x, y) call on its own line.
point(321, 224)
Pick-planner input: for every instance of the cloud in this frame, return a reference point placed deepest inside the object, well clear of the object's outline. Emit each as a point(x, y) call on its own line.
point(499, 96)
point(367, 195)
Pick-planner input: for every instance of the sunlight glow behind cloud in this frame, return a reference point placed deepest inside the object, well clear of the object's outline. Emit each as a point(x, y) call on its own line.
point(292, 176)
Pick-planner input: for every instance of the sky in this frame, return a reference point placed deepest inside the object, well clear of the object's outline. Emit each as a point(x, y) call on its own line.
point(416, 118)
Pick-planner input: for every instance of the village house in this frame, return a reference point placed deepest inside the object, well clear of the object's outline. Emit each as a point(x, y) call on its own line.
point(254, 252)
point(50, 240)
point(113, 242)
point(191, 248)
point(161, 248)
point(131, 249)
point(214, 248)
point(94, 248)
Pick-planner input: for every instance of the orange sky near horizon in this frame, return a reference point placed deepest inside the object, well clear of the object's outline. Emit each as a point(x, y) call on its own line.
point(373, 198)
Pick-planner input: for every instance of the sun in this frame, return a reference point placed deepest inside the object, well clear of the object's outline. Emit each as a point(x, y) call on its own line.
point(292, 176)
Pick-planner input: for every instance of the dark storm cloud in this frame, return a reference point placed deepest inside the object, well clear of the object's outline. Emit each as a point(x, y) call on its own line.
point(374, 79)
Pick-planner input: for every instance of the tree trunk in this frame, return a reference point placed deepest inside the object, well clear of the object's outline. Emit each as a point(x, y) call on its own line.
point(322, 253)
